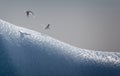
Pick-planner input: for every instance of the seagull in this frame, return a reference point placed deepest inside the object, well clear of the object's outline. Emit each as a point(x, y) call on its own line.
point(22, 34)
point(28, 13)
point(47, 27)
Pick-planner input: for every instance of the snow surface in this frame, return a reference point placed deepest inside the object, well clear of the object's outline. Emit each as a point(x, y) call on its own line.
point(37, 54)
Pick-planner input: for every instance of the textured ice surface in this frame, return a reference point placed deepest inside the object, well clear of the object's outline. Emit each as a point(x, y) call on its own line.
point(34, 54)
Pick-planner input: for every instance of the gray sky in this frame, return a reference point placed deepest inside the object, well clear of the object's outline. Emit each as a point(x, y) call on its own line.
point(89, 24)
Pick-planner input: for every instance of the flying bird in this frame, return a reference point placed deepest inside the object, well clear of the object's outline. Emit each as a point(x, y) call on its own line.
point(47, 27)
point(22, 34)
point(28, 13)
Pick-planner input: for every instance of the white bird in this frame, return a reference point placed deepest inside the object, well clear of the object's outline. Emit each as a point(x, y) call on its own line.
point(22, 34)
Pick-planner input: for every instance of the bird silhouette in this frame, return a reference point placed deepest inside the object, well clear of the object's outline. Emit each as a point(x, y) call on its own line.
point(47, 27)
point(28, 13)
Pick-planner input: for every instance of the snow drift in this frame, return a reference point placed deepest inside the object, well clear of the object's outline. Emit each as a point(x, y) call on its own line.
point(25, 52)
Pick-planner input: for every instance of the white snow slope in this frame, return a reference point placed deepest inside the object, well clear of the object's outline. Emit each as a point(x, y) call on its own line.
point(24, 52)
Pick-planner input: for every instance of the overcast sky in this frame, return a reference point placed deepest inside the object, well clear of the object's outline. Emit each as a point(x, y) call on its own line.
point(89, 24)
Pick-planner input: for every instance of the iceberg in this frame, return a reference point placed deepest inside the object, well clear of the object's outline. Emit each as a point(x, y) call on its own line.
point(24, 52)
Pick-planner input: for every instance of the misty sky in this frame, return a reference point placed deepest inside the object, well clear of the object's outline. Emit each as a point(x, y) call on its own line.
point(89, 24)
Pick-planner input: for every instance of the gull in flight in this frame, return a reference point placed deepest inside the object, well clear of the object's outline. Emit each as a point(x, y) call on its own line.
point(22, 34)
point(28, 13)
